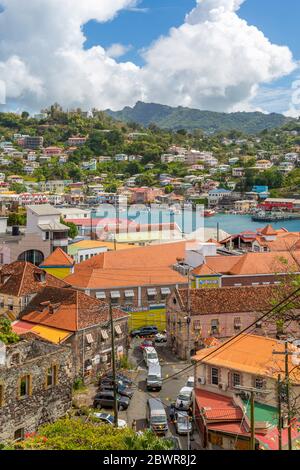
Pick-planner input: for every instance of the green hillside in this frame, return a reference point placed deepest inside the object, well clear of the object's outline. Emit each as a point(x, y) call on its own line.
point(170, 118)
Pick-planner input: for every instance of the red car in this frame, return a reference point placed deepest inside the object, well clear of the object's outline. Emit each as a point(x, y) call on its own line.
point(147, 343)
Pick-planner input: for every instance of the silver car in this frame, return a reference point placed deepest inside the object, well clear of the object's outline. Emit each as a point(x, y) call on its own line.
point(183, 422)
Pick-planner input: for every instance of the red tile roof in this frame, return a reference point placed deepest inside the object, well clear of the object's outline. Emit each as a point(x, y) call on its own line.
point(20, 278)
point(68, 309)
point(228, 299)
point(268, 230)
point(217, 407)
point(58, 258)
point(251, 264)
point(150, 265)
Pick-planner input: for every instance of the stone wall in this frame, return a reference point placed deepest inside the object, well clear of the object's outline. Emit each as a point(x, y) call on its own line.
point(42, 404)
point(92, 353)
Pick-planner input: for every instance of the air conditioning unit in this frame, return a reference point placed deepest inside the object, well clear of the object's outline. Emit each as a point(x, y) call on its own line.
point(201, 380)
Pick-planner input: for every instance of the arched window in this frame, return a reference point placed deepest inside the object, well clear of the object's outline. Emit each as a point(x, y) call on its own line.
point(32, 256)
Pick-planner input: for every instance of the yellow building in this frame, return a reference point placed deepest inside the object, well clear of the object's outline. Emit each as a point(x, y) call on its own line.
point(59, 264)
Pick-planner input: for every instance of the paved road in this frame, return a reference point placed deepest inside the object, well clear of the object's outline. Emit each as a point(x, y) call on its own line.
point(168, 393)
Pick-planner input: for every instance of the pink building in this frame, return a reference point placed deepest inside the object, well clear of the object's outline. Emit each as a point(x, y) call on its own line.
point(51, 151)
point(77, 141)
point(144, 195)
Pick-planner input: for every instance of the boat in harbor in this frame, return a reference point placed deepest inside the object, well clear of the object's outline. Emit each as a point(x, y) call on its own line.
point(209, 213)
point(264, 216)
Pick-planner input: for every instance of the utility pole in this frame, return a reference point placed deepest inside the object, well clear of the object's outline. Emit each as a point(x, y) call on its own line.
point(279, 413)
point(188, 433)
point(112, 332)
point(286, 354)
point(188, 319)
point(252, 421)
point(252, 391)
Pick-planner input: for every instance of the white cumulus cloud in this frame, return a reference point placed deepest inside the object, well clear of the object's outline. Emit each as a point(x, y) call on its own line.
point(117, 50)
point(214, 60)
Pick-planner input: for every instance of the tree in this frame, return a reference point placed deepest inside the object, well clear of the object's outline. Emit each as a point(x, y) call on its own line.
point(73, 230)
point(133, 168)
point(18, 188)
point(74, 434)
point(7, 336)
point(16, 218)
point(25, 115)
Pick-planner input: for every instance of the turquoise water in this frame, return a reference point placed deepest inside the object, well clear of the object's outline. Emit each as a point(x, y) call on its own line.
point(238, 223)
point(192, 221)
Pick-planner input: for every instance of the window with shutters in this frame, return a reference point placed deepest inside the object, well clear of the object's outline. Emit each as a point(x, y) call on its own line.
point(214, 376)
point(236, 379)
point(237, 323)
point(214, 327)
point(259, 383)
point(51, 376)
point(25, 386)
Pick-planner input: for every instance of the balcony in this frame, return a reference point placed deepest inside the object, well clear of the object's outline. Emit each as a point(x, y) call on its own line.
point(60, 243)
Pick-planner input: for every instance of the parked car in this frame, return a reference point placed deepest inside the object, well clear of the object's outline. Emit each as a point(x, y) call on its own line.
point(154, 379)
point(184, 399)
point(105, 399)
point(190, 383)
point(106, 381)
point(121, 377)
point(183, 422)
point(109, 419)
point(161, 338)
point(121, 389)
point(145, 332)
point(150, 356)
point(147, 343)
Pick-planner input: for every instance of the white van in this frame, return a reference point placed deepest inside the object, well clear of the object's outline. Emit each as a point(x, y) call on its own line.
point(154, 380)
point(150, 356)
point(156, 416)
point(184, 399)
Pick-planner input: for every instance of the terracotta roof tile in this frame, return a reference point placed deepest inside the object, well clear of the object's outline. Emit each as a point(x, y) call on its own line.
point(135, 267)
point(217, 407)
point(268, 230)
point(229, 299)
point(251, 263)
point(58, 258)
point(21, 278)
point(68, 309)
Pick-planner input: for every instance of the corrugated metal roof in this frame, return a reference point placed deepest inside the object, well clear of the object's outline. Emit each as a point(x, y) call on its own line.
point(51, 334)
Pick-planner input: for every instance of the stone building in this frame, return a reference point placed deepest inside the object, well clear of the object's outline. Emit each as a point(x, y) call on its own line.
point(36, 380)
point(19, 283)
point(71, 317)
point(220, 313)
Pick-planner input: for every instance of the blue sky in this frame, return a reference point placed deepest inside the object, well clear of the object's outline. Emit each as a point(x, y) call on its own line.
point(215, 61)
point(278, 19)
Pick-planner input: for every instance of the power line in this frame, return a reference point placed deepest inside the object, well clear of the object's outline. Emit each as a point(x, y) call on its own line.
point(239, 335)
